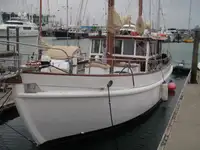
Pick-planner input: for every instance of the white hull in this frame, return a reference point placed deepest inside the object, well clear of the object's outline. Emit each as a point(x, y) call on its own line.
point(22, 33)
point(64, 82)
point(52, 115)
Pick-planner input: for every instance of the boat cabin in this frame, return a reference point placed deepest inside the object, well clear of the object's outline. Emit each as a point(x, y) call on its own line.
point(136, 51)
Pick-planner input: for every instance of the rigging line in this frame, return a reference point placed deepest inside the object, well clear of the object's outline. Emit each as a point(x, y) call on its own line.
point(85, 9)
point(129, 4)
point(78, 13)
point(161, 10)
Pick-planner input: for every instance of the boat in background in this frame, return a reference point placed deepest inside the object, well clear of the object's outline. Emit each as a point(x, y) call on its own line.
point(71, 33)
point(120, 80)
point(26, 28)
point(188, 40)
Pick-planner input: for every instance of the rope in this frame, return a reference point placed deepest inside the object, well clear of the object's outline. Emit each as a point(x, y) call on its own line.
point(109, 101)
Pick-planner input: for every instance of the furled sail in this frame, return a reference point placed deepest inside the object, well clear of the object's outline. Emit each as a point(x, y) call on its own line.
point(117, 22)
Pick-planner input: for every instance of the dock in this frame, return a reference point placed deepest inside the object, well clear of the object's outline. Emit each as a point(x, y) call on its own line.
point(183, 130)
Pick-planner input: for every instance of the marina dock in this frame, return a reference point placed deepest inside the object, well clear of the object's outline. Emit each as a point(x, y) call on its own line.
point(182, 132)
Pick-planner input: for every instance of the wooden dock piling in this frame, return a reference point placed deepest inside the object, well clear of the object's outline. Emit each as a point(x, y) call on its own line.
point(195, 56)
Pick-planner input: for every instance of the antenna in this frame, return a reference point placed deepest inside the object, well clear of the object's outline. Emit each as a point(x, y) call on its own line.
point(190, 12)
point(150, 2)
point(67, 15)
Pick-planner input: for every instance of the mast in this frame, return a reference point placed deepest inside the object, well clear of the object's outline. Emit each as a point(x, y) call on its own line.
point(150, 19)
point(140, 22)
point(70, 15)
point(48, 12)
point(140, 8)
point(79, 23)
point(40, 21)
point(31, 15)
point(67, 15)
point(189, 19)
point(110, 33)
point(40, 31)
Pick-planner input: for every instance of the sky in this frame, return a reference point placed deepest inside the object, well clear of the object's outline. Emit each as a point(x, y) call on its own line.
point(175, 13)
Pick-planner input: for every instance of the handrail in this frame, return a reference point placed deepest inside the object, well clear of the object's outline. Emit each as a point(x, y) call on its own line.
point(14, 46)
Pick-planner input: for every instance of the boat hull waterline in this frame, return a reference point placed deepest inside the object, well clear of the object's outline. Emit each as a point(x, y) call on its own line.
point(53, 115)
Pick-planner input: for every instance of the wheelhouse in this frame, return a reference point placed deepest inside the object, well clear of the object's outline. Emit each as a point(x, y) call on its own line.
point(140, 50)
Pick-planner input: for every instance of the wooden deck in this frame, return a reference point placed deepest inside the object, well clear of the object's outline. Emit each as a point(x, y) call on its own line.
point(183, 130)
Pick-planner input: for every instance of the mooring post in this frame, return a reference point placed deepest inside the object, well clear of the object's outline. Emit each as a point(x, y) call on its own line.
point(8, 39)
point(195, 56)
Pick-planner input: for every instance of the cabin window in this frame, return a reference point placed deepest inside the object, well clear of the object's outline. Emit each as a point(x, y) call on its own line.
point(118, 47)
point(152, 48)
point(27, 28)
point(12, 27)
point(128, 47)
point(95, 46)
point(103, 42)
point(141, 48)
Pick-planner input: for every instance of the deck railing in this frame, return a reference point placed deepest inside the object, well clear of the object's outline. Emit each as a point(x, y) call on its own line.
point(153, 64)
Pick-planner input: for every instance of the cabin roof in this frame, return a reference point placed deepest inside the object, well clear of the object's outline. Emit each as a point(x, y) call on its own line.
point(131, 37)
point(62, 52)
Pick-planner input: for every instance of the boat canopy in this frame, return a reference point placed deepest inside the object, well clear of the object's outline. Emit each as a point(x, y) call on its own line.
point(63, 52)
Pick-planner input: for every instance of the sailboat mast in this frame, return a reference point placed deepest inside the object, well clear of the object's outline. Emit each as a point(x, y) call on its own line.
point(110, 33)
point(150, 19)
point(48, 12)
point(40, 21)
point(40, 31)
point(140, 7)
point(67, 19)
point(189, 19)
point(140, 22)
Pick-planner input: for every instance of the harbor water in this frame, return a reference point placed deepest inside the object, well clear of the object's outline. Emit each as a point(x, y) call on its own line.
point(144, 135)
